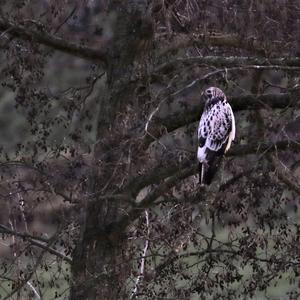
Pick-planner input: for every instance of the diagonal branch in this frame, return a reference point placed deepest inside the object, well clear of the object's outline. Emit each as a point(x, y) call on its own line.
point(6, 230)
point(156, 193)
point(285, 175)
point(154, 177)
point(29, 275)
point(36, 241)
point(168, 179)
point(50, 250)
point(56, 43)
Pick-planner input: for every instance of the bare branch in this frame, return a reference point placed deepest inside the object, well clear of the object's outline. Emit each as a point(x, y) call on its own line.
point(28, 276)
point(216, 40)
point(34, 290)
point(36, 241)
point(172, 257)
point(51, 41)
point(157, 192)
point(285, 63)
point(6, 230)
point(285, 175)
point(170, 176)
point(50, 250)
point(263, 147)
point(192, 114)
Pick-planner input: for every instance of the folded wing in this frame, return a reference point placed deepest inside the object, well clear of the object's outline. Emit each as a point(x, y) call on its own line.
point(216, 132)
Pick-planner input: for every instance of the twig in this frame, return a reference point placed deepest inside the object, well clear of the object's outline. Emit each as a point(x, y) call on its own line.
point(30, 274)
point(65, 19)
point(33, 289)
point(113, 174)
point(172, 258)
point(284, 175)
point(51, 250)
point(36, 241)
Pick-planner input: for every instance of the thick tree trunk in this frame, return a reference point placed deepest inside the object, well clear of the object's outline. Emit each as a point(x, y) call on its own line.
point(94, 271)
point(97, 269)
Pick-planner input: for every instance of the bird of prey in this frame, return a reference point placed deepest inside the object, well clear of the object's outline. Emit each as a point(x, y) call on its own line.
point(216, 131)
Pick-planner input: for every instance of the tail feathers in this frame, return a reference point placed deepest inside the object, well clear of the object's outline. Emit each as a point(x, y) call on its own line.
point(207, 171)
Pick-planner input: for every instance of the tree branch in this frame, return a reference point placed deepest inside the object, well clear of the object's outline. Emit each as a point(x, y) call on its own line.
point(32, 271)
point(6, 230)
point(215, 40)
point(192, 114)
point(36, 241)
point(263, 147)
point(285, 175)
point(156, 193)
point(154, 177)
point(56, 43)
point(233, 61)
point(172, 257)
point(168, 179)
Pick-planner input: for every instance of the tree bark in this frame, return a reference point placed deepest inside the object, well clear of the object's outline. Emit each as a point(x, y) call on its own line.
point(97, 271)
point(94, 271)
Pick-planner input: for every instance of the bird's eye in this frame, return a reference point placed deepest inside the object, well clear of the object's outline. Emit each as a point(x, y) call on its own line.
point(209, 93)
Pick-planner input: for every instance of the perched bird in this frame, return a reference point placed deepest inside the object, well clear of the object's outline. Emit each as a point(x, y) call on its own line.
point(216, 131)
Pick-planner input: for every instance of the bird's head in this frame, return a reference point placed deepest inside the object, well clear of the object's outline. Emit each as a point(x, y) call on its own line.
point(212, 93)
